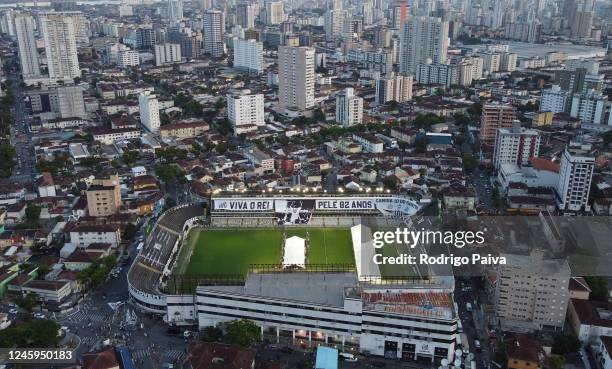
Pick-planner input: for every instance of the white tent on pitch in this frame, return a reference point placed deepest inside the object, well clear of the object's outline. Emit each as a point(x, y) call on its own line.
point(294, 252)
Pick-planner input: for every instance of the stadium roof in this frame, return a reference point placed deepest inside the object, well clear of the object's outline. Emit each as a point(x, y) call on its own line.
point(295, 286)
point(294, 252)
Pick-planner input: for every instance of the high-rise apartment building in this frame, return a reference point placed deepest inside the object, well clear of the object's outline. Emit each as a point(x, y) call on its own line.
point(349, 108)
point(70, 101)
point(575, 177)
point(275, 12)
point(60, 47)
point(214, 29)
point(28, 54)
point(532, 293)
point(79, 21)
point(248, 55)
point(244, 109)
point(149, 111)
point(515, 145)
point(175, 10)
point(423, 39)
point(495, 116)
point(190, 46)
point(393, 88)
point(590, 107)
point(245, 15)
point(104, 196)
point(508, 62)
point(128, 58)
point(554, 99)
point(145, 37)
point(296, 77)
point(167, 54)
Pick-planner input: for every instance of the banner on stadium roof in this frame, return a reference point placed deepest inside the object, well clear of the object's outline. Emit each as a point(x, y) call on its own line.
point(293, 211)
point(241, 205)
point(387, 206)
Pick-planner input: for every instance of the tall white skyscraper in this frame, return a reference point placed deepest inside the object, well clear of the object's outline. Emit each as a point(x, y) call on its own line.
point(28, 55)
point(422, 39)
point(248, 55)
point(245, 109)
point(349, 108)
point(296, 77)
point(214, 28)
point(175, 10)
point(149, 111)
point(60, 47)
point(275, 12)
point(575, 175)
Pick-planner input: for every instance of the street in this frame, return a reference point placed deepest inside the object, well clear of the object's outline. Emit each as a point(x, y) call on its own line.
point(21, 136)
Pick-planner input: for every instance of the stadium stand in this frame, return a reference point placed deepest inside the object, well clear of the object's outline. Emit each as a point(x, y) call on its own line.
point(158, 252)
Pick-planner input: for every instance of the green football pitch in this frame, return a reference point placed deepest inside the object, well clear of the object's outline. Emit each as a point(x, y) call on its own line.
point(231, 251)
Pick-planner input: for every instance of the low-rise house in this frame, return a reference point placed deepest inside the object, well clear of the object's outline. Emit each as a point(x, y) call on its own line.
point(457, 196)
point(590, 319)
point(86, 234)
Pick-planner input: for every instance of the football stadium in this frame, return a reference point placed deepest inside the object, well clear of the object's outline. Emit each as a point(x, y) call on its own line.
point(292, 264)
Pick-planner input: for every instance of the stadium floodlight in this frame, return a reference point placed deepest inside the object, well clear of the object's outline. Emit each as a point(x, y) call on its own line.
point(388, 190)
point(368, 189)
point(305, 189)
point(340, 189)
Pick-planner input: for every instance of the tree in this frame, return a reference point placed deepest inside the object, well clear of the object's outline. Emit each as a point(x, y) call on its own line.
point(565, 344)
point(469, 163)
point(27, 302)
point(35, 333)
point(32, 213)
point(461, 119)
point(427, 120)
point(130, 157)
point(497, 199)
point(211, 334)
point(7, 160)
point(599, 288)
point(221, 148)
point(390, 183)
point(421, 145)
point(129, 232)
point(97, 273)
point(242, 332)
point(555, 362)
point(319, 115)
point(168, 172)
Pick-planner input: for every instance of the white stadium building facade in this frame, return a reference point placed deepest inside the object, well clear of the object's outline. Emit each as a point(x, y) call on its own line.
point(415, 320)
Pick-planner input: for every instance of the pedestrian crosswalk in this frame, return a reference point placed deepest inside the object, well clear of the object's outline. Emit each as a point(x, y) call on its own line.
point(141, 354)
point(85, 313)
point(174, 355)
point(88, 341)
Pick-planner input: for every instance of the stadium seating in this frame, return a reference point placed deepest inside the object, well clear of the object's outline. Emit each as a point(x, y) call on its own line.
point(159, 248)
